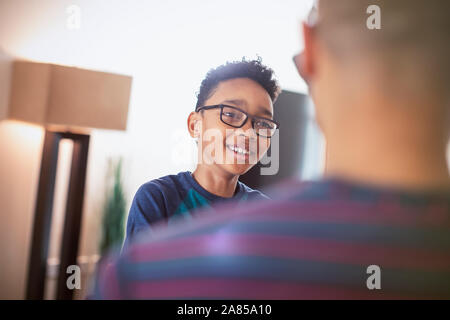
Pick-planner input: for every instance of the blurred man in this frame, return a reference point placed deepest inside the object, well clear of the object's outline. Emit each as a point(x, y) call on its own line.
point(378, 225)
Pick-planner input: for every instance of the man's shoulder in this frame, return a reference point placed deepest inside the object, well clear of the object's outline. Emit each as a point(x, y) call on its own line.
point(337, 201)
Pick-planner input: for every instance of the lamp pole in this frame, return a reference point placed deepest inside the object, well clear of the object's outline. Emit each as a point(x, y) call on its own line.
point(43, 214)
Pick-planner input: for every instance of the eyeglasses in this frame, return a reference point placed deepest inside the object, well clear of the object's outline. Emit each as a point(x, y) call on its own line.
point(237, 118)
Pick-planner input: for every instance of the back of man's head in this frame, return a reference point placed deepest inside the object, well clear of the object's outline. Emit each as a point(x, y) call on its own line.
point(379, 74)
point(404, 34)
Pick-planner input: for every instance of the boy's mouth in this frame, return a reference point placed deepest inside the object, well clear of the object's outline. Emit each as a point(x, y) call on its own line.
point(238, 150)
point(242, 153)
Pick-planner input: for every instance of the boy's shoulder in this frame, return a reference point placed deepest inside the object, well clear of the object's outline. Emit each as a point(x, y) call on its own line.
point(251, 193)
point(166, 183)
point(182, 181)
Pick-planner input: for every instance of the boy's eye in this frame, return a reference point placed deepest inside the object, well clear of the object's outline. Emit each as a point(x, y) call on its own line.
point(264, 124)
point(230, 114)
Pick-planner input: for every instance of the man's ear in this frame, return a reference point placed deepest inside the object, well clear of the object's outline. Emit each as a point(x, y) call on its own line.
point(307, 58)
point(194, 124)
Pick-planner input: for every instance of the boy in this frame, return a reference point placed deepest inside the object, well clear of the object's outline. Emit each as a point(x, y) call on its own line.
point(235, 107)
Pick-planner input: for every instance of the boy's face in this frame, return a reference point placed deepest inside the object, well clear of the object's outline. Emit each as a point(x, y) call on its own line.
point(234, 150)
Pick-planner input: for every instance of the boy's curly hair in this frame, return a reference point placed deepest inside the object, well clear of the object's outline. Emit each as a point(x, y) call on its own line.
point(252, 69)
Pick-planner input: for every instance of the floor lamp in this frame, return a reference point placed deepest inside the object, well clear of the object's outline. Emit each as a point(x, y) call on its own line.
point(68, 102)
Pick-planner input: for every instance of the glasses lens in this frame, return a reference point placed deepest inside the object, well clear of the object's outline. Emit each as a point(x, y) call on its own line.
point(265, 128)
point(233, 117)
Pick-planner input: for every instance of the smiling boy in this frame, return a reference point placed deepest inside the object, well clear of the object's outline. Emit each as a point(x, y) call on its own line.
point(233, 122)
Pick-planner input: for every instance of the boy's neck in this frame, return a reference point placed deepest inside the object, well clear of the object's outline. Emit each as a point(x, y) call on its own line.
point(216, 181)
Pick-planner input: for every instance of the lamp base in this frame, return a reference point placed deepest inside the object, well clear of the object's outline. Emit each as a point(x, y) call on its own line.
point(43, 214)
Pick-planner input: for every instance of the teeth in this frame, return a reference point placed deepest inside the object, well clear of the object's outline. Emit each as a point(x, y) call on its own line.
point(238, 150)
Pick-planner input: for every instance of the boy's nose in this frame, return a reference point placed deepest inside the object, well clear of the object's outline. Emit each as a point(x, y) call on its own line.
point(247, 131)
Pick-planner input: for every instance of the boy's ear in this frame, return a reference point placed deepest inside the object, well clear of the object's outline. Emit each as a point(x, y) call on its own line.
point(194, 124)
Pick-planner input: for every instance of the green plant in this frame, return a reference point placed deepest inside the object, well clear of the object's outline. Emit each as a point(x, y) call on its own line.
point(114, 210)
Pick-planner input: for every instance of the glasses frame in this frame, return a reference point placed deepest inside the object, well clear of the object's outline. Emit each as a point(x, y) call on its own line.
point(252, 117)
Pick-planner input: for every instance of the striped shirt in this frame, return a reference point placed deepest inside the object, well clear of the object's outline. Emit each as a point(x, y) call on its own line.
point(323, 240)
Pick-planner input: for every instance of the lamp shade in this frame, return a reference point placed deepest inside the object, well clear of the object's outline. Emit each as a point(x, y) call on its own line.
point(68, 97)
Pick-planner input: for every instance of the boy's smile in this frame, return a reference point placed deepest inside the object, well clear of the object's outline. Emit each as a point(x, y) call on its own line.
point(239, 148)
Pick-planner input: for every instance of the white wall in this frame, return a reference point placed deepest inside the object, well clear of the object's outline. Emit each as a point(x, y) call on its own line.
point(167, 46)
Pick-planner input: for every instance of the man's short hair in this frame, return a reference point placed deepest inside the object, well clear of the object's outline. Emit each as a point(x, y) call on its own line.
point(251, 69)
point(414, 35)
